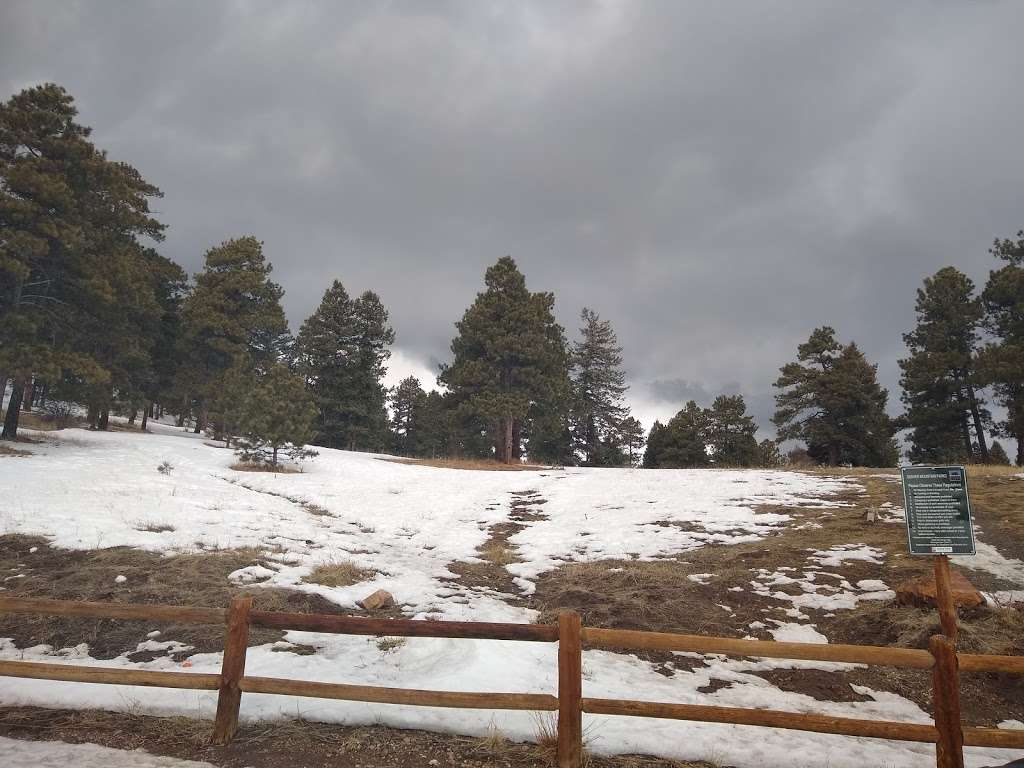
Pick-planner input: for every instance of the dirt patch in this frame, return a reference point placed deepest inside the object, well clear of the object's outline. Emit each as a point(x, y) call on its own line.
point(478, 465)
point(188, 579)
point(6, 450)
point(277, 469)
point(292, 743)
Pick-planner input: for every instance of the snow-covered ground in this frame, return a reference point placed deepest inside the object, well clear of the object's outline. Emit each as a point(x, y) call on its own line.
point(57, 754)
point(407, 524)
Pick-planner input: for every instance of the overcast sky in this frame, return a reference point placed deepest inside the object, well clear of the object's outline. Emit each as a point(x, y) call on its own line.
point(716, 179)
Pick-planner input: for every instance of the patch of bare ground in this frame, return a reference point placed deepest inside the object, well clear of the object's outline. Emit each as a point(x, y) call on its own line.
point(479, 465)
point(292, 743)
point(277, 469)
point(199, 579)
point(6, 450)
point(496, 553)
point(719, 600)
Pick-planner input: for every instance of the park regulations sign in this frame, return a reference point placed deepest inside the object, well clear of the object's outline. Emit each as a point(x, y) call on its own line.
point(938, 511)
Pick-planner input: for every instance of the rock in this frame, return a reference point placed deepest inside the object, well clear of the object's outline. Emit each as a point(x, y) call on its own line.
point(921, 591)
point(379, 599)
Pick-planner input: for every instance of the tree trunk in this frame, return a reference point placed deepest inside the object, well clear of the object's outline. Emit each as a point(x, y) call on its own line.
point(274, 462)
point(145, 417)
point(3, 389)
point(104, 420)
point(92, 415)
point(44, 394)
point(200, 421)
point(26, 403)
point(13, 410)
point(505, 440)
point(833, 455)
point(972, 401)
point(132, 415)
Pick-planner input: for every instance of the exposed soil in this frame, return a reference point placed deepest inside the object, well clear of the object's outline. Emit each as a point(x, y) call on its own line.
point(296, 744)
point(194, 579)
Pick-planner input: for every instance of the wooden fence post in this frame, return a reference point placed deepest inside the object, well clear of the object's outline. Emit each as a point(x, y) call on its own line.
point(944, 598)
point(229, 698)
point(570, 691)
point(949, 749)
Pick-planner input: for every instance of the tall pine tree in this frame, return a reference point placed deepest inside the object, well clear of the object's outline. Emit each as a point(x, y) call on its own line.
point(342, 350)
point(730, 432)
point(598, 386)
point(69, 252)
point(831, 399)
point(232, 318)
point(939, 383)
point(1001, 362)
point(509, 357)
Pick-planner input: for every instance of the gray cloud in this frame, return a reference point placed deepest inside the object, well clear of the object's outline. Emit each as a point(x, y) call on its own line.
point(716, 179)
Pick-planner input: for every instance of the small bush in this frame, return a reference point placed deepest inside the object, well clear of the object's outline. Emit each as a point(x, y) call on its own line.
point(165, 468)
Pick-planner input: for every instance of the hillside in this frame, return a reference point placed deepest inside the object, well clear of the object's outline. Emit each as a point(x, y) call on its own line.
point(746, 553)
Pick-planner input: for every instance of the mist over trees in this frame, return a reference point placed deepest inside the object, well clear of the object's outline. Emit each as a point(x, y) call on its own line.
point(94, 321)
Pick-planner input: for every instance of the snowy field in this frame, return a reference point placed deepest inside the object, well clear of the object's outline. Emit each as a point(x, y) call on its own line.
point(407, 524)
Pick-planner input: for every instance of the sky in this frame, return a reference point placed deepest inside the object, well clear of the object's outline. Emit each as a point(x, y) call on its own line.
point(716, 179)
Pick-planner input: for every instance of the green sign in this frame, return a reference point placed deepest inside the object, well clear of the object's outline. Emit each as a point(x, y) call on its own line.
point(938, 511)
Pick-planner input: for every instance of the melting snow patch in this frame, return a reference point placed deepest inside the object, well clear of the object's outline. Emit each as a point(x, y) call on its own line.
point(837, 555)
point(796, 633)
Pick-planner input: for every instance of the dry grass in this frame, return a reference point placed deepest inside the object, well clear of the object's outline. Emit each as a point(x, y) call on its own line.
point(194, 579)
point(339, 573)
point(498, 552)
point(388, 644)
point(6, 450)
point(479, 465)
point(277, 469)
point(292, 742)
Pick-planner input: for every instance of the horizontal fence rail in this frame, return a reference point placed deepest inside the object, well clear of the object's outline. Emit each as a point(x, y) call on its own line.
point(941, 659)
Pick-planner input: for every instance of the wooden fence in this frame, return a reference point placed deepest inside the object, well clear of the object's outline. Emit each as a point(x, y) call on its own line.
point(947, 733)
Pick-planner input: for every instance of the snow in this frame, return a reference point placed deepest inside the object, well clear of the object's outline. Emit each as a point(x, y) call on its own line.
point(120, 579)
point(56, 754)
point(797, 633)
point(405, 525)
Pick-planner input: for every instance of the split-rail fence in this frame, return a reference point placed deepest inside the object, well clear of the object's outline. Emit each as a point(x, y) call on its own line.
point(941, 659)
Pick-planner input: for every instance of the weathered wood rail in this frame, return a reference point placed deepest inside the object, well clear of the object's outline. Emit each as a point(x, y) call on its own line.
point(945, 664)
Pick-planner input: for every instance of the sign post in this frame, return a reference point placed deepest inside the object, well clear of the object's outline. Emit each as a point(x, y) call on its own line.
point(938, 513)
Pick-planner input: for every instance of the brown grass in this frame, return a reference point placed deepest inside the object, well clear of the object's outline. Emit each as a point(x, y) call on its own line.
point(291, 742)
point(195, 579)
point(277, 469)
point(6, 450)
point(339, 573)
point(480, 465)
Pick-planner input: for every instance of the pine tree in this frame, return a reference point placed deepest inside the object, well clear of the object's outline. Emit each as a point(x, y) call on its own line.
point(939, 387)
point(70, 219)
point(406, 399)
point(730, 432)
point(509, 355)
point(631, 437)
point(831, 399)
point(598, 387)
point(682, 443)
point(342, 351)
point(232, 318)
point(770, 455)
point(997, 454)
point(277, 414)
point(1001, 362)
